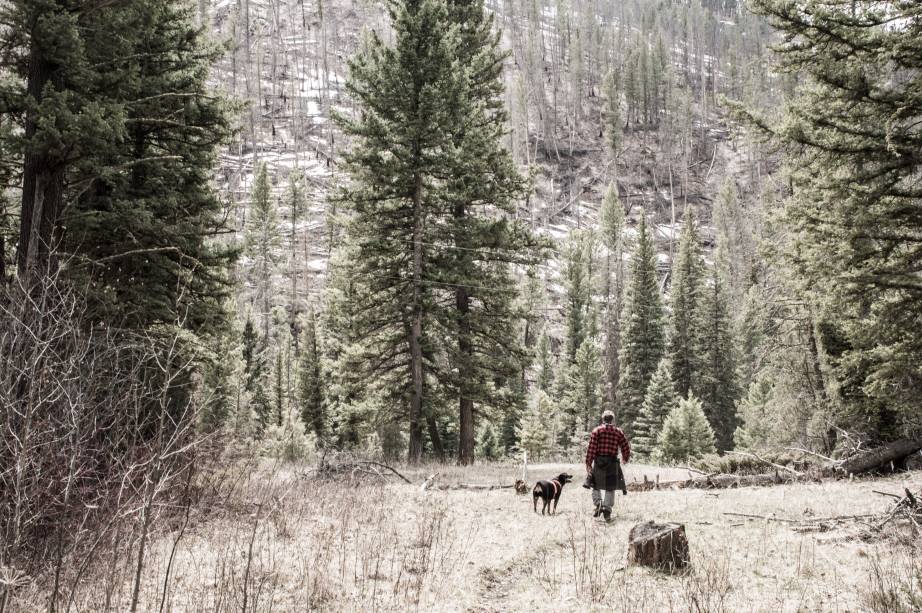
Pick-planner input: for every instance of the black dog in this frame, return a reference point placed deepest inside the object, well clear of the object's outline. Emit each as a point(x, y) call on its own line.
point(549, 491)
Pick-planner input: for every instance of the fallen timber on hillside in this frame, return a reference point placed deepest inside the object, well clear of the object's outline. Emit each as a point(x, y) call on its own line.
point(868, 461)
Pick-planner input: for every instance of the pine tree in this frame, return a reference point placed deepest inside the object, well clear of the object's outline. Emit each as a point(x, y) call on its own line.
point(685, 319)
point(431, 198)
point(508, 432)
point(296, 198)
point(217, 373)
point(487, 444)
point(733, 239)
point(536, 434)
point(611, 229)
point(718, 386)
point(278, 386)
point(401, 140)
point(613, 127)
point(480, 199)
point(582, 392)
point(659, 402)
point(53, 90)
point(756, 416)
point(263, 242)
point(686, 433)
point(310, 381)
point(545, 363)
point(642, 342)
point(128, 137)
point(577, 292)
point(261, 403)
point(252, 363)
point(851, 139)
point(343, 351)
point(280, 344)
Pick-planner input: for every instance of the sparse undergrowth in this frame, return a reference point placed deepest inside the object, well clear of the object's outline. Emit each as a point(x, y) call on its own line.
point(283, 541)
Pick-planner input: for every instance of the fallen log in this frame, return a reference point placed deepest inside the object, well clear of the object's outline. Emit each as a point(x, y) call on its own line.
point(477, 486)
point(864, 462)
point(716, 482)
point(875, 458)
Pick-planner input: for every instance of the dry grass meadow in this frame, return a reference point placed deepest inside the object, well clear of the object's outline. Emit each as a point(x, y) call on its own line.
point(281, 541)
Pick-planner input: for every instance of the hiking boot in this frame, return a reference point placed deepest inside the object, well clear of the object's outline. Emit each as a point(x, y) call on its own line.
point(606, 513)
point(598, 509)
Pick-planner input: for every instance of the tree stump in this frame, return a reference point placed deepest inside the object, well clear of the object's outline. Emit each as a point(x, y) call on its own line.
point(662, 546)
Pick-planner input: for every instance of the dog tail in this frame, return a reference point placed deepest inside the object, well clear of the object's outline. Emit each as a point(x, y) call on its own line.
point(538, 490)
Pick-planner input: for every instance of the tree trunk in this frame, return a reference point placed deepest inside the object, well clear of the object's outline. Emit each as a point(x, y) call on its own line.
point(42, 181)
point(416, 328)
point(2, 246)
point(465, 402)
point(434, 438)
point(662, 546)
point(203, 15)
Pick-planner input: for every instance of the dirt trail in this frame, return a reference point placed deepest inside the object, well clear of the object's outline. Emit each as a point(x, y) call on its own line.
point(497, 584)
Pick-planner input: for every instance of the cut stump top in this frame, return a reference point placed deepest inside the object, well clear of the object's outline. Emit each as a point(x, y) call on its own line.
point(662, 546)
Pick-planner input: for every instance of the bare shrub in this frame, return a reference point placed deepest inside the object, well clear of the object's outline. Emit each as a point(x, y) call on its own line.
point(593, 572)
point(98, 435)
point(707, 584)
point(895, 585)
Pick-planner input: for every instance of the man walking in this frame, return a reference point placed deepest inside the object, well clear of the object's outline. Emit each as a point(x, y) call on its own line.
point(602, 463)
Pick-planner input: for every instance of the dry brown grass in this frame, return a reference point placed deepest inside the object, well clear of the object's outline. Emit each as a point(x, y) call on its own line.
point(286, 543)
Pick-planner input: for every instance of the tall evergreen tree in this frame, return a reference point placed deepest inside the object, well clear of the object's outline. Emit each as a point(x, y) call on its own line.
point(718, 386)
point(852, 140)
point(252, 361)
point(642, 341)
point(296, 198)
point(402, 140)
point(262, 405)
point(52, 86)
point(685, 319)
point(577, 281)
point(611, 230)
point(263, 242)
point(545, 363)
point(343, 351)
point(733, 237)
point(480, 196)
point(613, 125)
point(582, 391)
point(431, 195)
point(121, 134)
point(659, 402)
point(281, 345)
point(217, 373)
point(310, 380)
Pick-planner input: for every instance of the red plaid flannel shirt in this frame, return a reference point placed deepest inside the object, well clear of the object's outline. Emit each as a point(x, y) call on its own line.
point(606, 439)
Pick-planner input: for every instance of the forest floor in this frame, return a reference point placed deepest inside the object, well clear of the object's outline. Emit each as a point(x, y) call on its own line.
point(282, 541)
